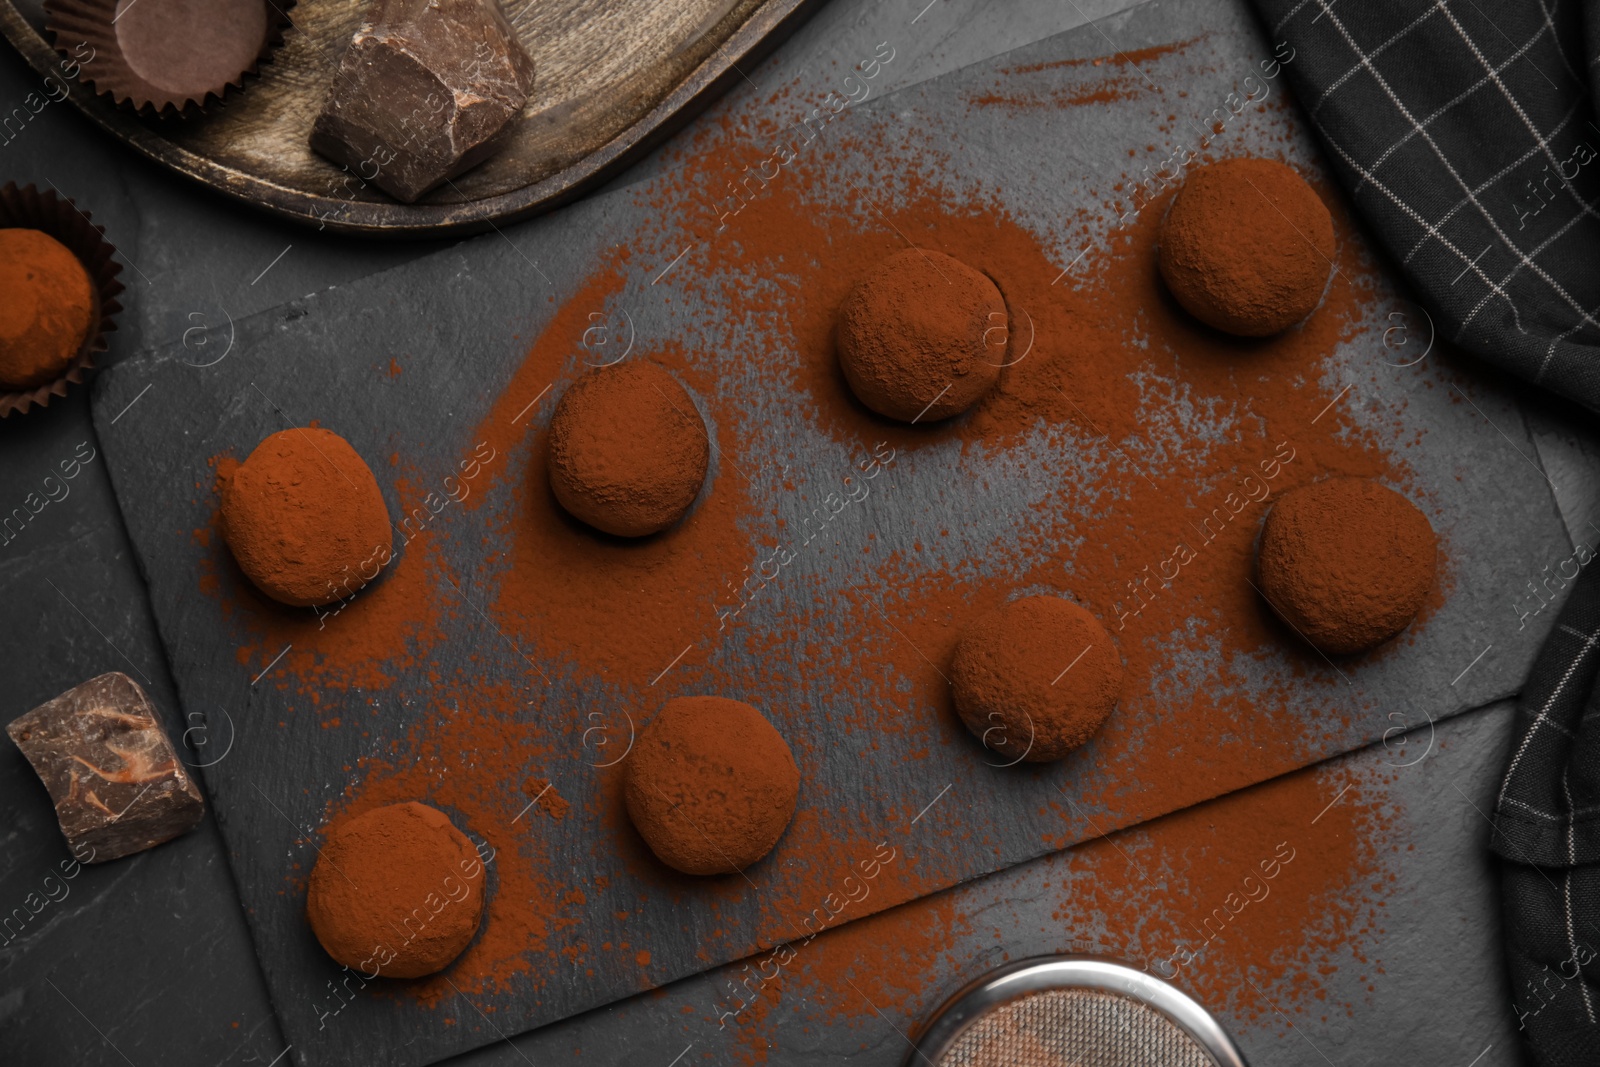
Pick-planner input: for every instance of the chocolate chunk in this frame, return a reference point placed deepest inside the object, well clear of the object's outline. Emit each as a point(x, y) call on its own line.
point(109, 767)
point(425, 91)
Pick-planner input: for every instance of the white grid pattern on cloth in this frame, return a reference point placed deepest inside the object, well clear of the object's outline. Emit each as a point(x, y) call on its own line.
point(1430, 229)
point(1511, 99)
point(1569, 224)
point(1531, 810)
point(1400, 107)
point(1572, 840)
point(1556, 725)
point(1572, 941)
point(1566, 892)
point(1470, 257)
point(1493, 179)
point(1543, 143)
point(1459, 98)
point(1420, 221)
point(1588, 642)
point(1550, 350)
point(1384, 47)
point(1291, 13)
point(1550, 21)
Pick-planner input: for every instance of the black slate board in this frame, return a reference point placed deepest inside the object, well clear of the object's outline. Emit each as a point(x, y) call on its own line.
point(463, 318)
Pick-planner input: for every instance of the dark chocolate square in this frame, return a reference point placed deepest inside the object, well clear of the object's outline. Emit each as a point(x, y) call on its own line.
point(116, 780)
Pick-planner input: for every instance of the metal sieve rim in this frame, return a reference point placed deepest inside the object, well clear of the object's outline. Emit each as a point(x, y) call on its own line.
point(1039, 974)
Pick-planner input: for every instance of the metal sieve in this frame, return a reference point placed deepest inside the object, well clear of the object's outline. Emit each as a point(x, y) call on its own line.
point(1071, 1011)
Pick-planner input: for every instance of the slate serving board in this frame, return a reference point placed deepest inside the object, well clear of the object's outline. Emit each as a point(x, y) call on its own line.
point(464, 319)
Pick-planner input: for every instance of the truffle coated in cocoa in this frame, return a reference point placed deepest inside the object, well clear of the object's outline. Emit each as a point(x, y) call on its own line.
point(711, 785)
point(1247, 247)
point(396, 891)
point(47, 308)
point(305, 519)
point(1035, 679)
point(628, 449)
point(923, 337)
point(1346, 562)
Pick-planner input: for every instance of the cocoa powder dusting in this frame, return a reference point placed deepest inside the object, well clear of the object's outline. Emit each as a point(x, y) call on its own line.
point(1247, 884)
point(1124, 80)
point(544, 794)
point(914, 336)
point(628, 450)
point(1247, 246)
point(711, 785)
point(1347, 563)
point(1011, 689)
point(1177, 449)
point(397, 891)
point(304, 518)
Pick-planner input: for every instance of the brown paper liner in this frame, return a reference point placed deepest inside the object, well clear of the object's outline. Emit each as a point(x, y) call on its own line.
point(28, 208)
point(87, 34)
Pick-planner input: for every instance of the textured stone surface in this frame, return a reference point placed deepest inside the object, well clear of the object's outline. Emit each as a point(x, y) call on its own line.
point(485, 298)
point(423, 93)
point(102, 753)
point(206, 1003)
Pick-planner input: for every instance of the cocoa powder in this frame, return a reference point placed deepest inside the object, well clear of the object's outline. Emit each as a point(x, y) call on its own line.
point(1346, 562)
point(48, 309)
point(628, 450)
point(1034, 679)
point(1247, 247)
point(396, 891)
point(914, 336)
point(304, 518)
point(1113, 363)
point(711, 785)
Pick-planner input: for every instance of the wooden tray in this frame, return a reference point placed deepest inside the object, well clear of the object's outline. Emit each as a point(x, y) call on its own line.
point(612, 79)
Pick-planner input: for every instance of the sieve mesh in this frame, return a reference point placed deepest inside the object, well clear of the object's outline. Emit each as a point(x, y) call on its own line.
point(1074, 1028)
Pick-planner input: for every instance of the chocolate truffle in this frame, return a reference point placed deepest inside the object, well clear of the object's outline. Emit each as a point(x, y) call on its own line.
point(923, 337)
point(47, 308)
point(1247, 247)
point(1346, 562)
point(1036, 678)
point(188, 48)
point(711, 785)
point(628, 450)
point(304, 518)
point(396, 891)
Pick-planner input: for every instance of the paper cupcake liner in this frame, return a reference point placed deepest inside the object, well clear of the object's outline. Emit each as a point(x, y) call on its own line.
point(28, 208)
point(88, 34)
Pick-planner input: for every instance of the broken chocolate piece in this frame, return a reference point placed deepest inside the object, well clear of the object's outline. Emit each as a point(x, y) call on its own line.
point(115, 779)
point(426, 90)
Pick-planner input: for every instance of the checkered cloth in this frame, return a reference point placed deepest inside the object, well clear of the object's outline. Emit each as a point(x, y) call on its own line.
point(1547, 832)
point(1465, 135)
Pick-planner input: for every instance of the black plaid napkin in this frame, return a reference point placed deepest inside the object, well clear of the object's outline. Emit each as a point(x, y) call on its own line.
point(1465, 135)
point(1547, 832)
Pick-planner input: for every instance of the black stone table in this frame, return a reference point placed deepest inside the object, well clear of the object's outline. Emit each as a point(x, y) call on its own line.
point(147, 961)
